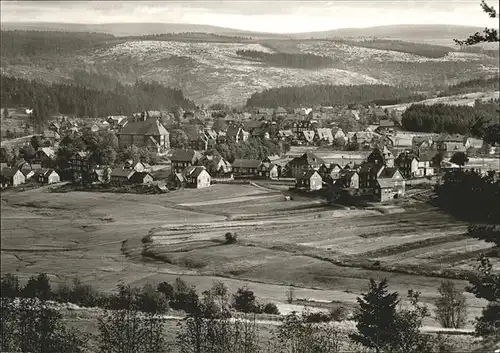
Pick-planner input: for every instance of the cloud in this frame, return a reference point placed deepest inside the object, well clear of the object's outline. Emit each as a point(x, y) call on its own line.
point(256, 15)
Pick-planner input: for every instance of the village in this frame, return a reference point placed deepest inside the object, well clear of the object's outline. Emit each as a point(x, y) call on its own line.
point(318, 152)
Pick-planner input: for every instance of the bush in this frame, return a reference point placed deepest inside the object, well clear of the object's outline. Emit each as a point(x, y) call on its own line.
point(184, 297)
point(270, 308)
point(9, 287)
point(244, 301)
point(38, 287)
point(339, 313)
point(451, 306)
point(150, 300)
point(230, 238)
point(316, 317)
point(167, 289)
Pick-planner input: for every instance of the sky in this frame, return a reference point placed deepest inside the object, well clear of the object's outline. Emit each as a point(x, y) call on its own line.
point(264, 16)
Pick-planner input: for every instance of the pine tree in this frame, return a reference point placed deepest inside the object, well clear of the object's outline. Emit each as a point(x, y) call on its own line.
point(376, 318)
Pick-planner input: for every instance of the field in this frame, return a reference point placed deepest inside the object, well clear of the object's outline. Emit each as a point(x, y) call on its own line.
point(209, 72)
point(328, 253)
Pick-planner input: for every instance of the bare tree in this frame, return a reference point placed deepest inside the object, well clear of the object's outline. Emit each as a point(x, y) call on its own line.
point(451, 306)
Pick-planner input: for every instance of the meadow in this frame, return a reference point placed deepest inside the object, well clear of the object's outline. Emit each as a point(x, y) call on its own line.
point(327, 253)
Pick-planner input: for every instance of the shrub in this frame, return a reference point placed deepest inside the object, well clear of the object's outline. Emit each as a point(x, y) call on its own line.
point(451, 306)
point(316, 317)
point(244, 300)
point(184, 297)
point(339, 313)
point(231, 238)
point(290, 295)
point(270, 308)
point(167, 289)
point(38, 287)
point(9, 287)
point(149, 300)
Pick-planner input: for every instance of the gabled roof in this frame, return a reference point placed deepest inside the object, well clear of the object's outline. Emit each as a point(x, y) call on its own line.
point(386, 123)
point(148, 127)
point(232, 131)
point(324, 134)
point(308, 135)
point(388, 172)
point(19, 163)
point(285, 133)
point(309, 174)
point(194, 171)
point(47, 151)
point(138, 176)
point(179, 155)
point(51, 134)
point(9, 172)
point(308, 158)
point(385, 183)
point(122, 173)
point(246, 163)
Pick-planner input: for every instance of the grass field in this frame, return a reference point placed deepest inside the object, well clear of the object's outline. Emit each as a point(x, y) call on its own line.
point(327, 253)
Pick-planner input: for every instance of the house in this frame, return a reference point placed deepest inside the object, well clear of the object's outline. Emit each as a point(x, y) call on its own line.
point(308, 161)
point(385, 126)
point(399, 141)
point(450, 144)
point(51, 136)
point(324, 135)
point(236, 134)
point(381, 157)
point(54, 126)
point(337, 134)
point(310, 180)
point(421, 143)
point(197, 138)
point(246, 167)
point(390, 184)
point(302, 125)
point(11, 177)
point(45, 156)
point(307, 136)
point(121, 176)
point(412, 166)
point(184, 158)
point(280, 111)
point(46, 176)
point(22, 166)
point(216, 165)
point(348, 179)
point(137, 166)
point(80, 163)
point(330, 173)
point(196, 177)
point(141, 178)
point(269, 169)
point(285, 135)
point(101, 175)
point(149, 133)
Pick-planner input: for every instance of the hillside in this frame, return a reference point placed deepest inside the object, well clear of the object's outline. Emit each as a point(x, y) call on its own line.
point(208, 71)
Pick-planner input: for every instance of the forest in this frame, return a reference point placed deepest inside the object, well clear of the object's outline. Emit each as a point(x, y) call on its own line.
point(443, 118)
point(292, 60)
point(47, 99)
point(296, 96)
point(471, 86)
point(421, 49)
point(34, 43)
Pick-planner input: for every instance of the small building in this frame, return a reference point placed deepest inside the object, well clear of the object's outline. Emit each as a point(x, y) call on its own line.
point(196, 177)
point(348, 179)
point(181, 159)
point(448, 145)
point(141, 178)
point(381, 156)
point(149, 133)
point(121, 176)
point(390, 184)
point(311, 180)
point(46, 176)
point(385, 126)
point(246, 167)
point(216, 165)
point(11, 177)
point(23, 166)
point(101, 175)
point(413, 166)
point(45, 156)
point(308, 161)
point(137, 166)
point(324, 136)
point(236, 134)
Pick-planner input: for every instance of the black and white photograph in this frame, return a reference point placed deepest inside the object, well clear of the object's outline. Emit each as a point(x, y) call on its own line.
point(249, 176)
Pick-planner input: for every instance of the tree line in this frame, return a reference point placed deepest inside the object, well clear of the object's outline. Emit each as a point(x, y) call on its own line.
point(444, 118)
point(421, 49)
point(471, 86)
point(131, 319)
point(292, 60)
point(35, 43)
point(296, 96)
point(47, 99)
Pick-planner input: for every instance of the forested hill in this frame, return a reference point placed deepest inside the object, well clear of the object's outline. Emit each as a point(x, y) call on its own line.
point(296, 96)
point(471, 86)
point(292, 60)
point(71, 99)
point(31, 43)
